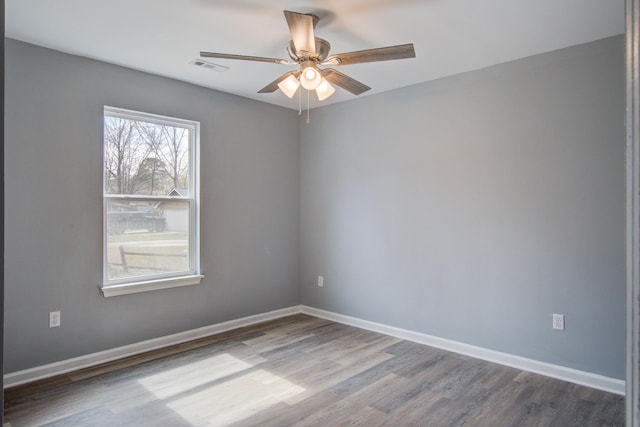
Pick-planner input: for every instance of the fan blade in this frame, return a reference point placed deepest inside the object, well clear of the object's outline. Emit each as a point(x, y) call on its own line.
point(245, 58)
point(301, 27)
point(344, 81)
point(273, 86)
point(373, 55)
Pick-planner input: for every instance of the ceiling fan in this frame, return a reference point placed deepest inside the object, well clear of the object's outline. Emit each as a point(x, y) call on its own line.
point(310, 52)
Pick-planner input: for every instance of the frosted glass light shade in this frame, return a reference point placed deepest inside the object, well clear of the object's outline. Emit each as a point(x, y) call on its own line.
point(289, 86)
point(324, 90)
point(310, 78)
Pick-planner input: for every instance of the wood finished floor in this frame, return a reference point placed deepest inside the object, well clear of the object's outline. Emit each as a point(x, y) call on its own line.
point(304, 371)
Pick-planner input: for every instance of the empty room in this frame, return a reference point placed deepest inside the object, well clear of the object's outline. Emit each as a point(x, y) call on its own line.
point(377, 213)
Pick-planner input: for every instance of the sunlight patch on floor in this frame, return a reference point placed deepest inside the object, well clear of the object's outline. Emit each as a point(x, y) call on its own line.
point(184, 378)
point(199, 392)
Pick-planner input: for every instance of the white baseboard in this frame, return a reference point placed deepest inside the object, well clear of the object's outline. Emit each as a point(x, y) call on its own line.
point(58, 368)
point(555, 371)
point(575, 376)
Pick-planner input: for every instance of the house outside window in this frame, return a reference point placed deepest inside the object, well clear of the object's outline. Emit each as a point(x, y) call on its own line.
point(150, 194)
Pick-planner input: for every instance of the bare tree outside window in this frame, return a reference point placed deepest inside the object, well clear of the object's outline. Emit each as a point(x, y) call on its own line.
point(169, 145)
point(145, 158)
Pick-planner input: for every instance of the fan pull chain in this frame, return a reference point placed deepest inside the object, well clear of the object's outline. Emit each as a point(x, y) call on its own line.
point(308, 118)
point(300, 102)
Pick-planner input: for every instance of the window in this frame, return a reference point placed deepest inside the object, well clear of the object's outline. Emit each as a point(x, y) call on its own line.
point(150, 197)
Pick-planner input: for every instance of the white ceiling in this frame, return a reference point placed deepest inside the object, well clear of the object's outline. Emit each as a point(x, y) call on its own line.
point(450, 36)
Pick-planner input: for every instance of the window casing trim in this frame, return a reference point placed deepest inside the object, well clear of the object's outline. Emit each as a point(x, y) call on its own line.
point(150, 285)
point(113, 287)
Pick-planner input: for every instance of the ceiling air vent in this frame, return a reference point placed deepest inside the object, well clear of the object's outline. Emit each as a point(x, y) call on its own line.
point(209, 65)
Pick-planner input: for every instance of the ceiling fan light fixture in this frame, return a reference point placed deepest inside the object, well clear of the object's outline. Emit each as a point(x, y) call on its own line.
point(308, 52)
point(289, 86)
point(324, 90)
point(310, 77)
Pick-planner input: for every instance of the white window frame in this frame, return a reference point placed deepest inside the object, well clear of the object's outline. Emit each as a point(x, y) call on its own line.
point(129, 285)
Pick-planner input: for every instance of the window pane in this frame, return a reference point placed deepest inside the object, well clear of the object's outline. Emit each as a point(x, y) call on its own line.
point(147, 238)
point(145, 158)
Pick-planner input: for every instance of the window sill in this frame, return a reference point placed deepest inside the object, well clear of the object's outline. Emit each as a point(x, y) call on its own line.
point(150, 285)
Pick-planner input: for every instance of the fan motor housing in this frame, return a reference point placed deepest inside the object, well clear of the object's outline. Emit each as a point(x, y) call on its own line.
point(322, 51)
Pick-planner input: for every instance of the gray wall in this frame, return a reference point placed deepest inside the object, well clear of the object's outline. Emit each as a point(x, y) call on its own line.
point(471, 208)
point(474, 207)
point(249, 206)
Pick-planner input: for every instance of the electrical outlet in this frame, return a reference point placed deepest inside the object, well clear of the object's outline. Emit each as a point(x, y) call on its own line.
point(558, 321)
point(320, 281)
point(54, 319)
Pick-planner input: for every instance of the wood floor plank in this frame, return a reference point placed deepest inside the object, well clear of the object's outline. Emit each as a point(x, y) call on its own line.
point(422, 382)
point(381, 389)
point(504, 405)
point(426, 412)
point(360, 380)
point(82, 418)
point(304, 371)
point(61, 402)
point(355, 353)
point(607, 411)
point(499, 376)
point(284, 415)
point(342, 413)
point(462, 377)
point(461, 411)
point(330, 379)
